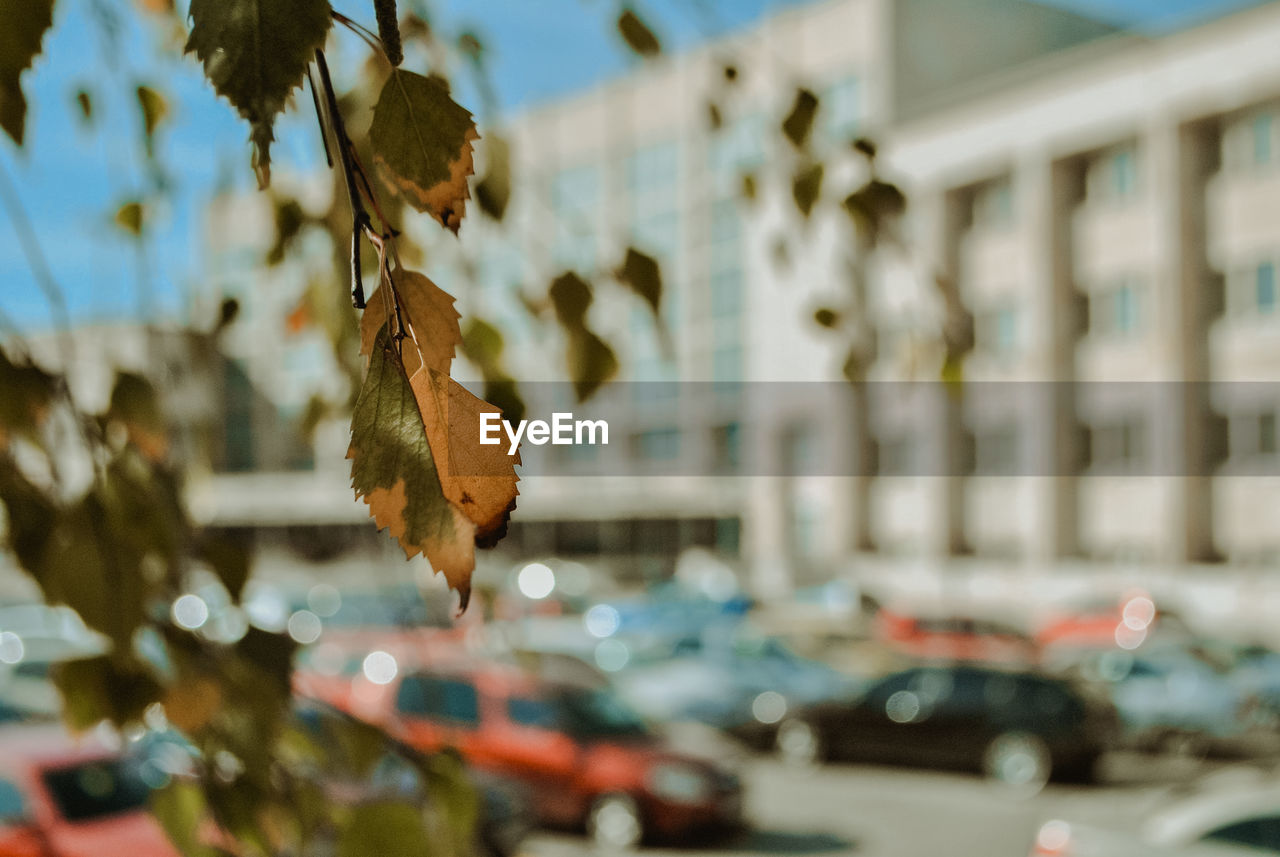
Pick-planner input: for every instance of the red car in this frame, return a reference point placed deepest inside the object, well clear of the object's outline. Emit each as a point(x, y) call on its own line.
point(63, 798)
point(586, 757)
point(954, 638)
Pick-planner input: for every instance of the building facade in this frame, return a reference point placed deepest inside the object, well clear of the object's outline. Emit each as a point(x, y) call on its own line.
point(1105, 204)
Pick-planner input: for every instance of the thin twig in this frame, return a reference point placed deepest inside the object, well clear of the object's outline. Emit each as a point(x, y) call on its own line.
point(315, 100)
point(359, 216)
point(370, 38)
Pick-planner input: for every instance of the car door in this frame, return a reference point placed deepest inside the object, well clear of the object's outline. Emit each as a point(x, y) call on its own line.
point(528, 738)
point(434, 712)
point(893, 721)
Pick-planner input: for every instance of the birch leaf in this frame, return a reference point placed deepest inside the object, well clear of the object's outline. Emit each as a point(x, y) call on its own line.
point(422, 145)
point(428, 309)
point(478, 479)
point(23, 24)
point(255, 52)
point(642, 274)
point(393, 471)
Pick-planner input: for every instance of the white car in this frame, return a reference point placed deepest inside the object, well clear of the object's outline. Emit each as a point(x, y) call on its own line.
point(1233, 813)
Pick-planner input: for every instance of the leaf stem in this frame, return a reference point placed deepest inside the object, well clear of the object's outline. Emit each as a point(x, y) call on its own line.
point(359, 216)
point(366, 35)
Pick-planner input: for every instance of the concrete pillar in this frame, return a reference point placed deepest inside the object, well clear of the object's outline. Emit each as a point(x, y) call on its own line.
point(1181, 159)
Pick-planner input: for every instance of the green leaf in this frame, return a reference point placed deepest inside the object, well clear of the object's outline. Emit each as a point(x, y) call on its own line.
point(85, 102)
point(26, 392)
point(131, 217)
point(642, 274)
point(116, 689)
point(471, 47)
point(31, 516)
point(23, 24)
point(482, 344)
point(154, 109)
point(229, 561)
point(637, 34)
point(571, 297)
point(181, 807)
point(493, 191)
point(422, 145)
point(799, 121)
point(289, 219)
point(592, 363)
point(255, 52)
point(452, 795)
point(393, 471)
point(806, 187)
point(384, 829)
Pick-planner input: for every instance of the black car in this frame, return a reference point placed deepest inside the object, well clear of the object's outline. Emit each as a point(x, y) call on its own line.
point(1015, 726)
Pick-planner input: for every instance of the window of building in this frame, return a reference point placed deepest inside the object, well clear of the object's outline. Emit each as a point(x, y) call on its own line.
point(656, 445)
point(728, 536)
point(1267, 434)
point(840, 109)
point(726, 447)
point(726, 294)
point(997, 330)
point(897, 456)
point(1253, 435)
point(1116, 309)
point(726, 365)
point(996, 451)
point(735, 151)
point(993, 204)
point(1118, 445)
point(1264, 288)
point(575, 203)
point(800, 449)
point(652, 168)
point(1262, 132)
point(1123, 166)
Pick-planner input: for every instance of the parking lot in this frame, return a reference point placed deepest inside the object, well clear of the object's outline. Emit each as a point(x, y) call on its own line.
point(884, 811)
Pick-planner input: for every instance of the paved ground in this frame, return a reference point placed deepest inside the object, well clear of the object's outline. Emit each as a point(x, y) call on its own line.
point(872, 811)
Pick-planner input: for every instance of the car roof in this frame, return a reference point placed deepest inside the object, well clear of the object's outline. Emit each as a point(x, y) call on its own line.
point(501, 678)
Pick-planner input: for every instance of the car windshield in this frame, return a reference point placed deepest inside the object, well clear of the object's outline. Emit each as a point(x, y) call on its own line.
point(96, 789)
point(594, 713)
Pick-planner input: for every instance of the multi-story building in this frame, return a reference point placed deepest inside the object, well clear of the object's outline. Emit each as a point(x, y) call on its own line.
point(1104, 203)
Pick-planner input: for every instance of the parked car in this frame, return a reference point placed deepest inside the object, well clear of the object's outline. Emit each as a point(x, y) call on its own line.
point(505, 816)
point(1017, 727)
point(1232, 813)
point(743, 683)
point(587, 758)
point(65, 798)
point(954, 638)
point(1170, 698)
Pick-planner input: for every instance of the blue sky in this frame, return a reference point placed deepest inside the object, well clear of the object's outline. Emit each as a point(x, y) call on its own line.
point(70, 179)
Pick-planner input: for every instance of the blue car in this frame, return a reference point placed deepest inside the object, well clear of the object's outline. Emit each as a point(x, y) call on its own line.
point(1171, 699)
point(738, 682)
